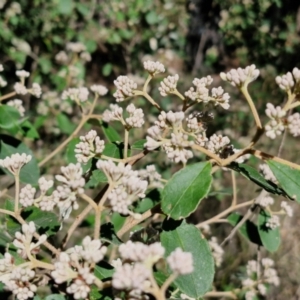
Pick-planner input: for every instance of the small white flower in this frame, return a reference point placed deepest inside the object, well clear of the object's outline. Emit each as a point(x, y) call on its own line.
point(293, 124)
point(168, 85)
point(78, 95)
point(76, 47)
point(273, 222)
point(15, 162)
point(125, 88)
point(239, 77)
point(27, 195)
point(22, 73)
point(285, 82)
point(99, 89)
point(20, 88)
point(113, 114)
point(180, 262)
point(267, 173)
point(264, 201)
point(154, 67)
point(136, 116)
point(35, 90)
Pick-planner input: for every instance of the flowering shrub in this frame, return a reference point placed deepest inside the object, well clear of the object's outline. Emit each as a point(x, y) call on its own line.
point(116, 260)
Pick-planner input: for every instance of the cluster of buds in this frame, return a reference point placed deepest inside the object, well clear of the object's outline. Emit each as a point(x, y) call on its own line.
point(65, 195)
point(75, 267)
point(20, 87)
point(200, 93)
point(43, 201)
point(15, 162)
point(290, 81)
point(79, 95)
point(135, 117)
point(133, 274)
point(175, 146)
point(89, 146)
point(241, 77)
point(256, 285)
point(127, 185)
point(20, 280)
point(125, 88)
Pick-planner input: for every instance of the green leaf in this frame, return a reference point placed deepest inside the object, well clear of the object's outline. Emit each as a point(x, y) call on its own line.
point(97, 177)
point(65, 124)
point(65, 7)
point(188, 238)
point(103, 270)
point(9, 117)
point(110, 133)
point(253, 175)
point(29, 130)
point(249, 230)
point(151, 17)
point(288, 178)
point(270, 237)
point(184, 191)
point(139, 145)
point(114, 150)
point(107, 68)
point(45, 221)
point(29, 173)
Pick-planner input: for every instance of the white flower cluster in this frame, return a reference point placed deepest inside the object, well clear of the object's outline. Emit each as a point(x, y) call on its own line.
point(20, 283)
point(21, 89)
point(240, 77)
point(200, 93)
point(175, 148)
point(90, 146)
point(293, 124)
point(15, 162)
point(139, 252)
point(267, 173)
point(61, 57)
point(75, 266)
point(273, 222)
point(115, 113)
point(22, 74)
point(79, 95)
point(136, 117)
point(264, 201)
point(217, 251)
point(17, 104)
point(99, 89)
point(134, 275)
point(216, 143)
point(152, 176)
point(275, 126)
point(23, 241)
point(72, 185)
point(180, 262)
point(268, 276)
point(125, 88)
point(44, 202)
point(168, 85)
point(178, 141)
point(128, 186)
point(154, 68)
point(285, 82)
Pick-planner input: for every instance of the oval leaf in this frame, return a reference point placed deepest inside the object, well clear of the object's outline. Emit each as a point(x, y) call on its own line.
point(253, 175)
point(188, 238)
point(288, 178)
point(270, 237)
point(184, 191)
